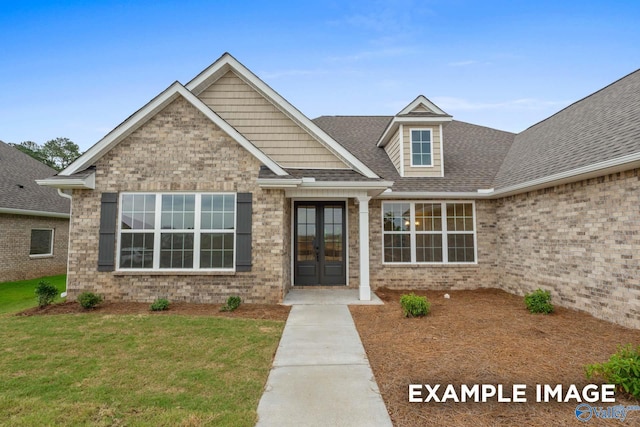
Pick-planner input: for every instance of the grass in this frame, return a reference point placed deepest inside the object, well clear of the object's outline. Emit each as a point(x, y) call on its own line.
point(133, 370)
point(18, 296)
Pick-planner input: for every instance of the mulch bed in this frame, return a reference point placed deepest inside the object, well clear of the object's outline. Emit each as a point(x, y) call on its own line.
point(249, 311)
point(485, 337)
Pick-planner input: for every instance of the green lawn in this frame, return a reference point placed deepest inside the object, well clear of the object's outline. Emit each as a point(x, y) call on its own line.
point(17, 296)
point(147, 370)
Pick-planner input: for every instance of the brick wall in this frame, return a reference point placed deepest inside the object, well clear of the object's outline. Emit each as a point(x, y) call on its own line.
point(581, 241)
point(482, 274)
point(179, 149)
point(15, 242)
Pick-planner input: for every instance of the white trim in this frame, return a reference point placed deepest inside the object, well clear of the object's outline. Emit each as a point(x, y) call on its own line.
point(412, 233)
point(157, 231)
point(401, 142)
point(397, 121)
point(69, 183)
point(364, 289)
point(227, 62)
point(150, 110)
point(441, 152)
point(51, 244)
point(430, 130)
point(421, 100)
point(12, 211)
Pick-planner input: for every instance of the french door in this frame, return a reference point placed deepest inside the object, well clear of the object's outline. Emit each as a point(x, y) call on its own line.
point(319, 243)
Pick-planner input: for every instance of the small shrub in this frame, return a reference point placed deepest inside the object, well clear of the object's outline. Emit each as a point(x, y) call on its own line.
point(622, 369)
point(46, 293)
point(233, 302)
point(414, 306)
point(539, 301)
point(161, 304)
point(89, 300)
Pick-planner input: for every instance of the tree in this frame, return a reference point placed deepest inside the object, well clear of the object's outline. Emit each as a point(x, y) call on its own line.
point(56, 153)
point(32, 149)
point(60, 152)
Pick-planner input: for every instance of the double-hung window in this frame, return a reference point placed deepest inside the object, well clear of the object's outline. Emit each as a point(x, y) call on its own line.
point(421, 147)
point(174, 231)
point(428, 232)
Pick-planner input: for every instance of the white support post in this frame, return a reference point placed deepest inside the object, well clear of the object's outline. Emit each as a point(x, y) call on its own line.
point(365, 287)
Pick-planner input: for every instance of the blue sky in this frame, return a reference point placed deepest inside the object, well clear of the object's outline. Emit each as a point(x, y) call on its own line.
point(77, 69)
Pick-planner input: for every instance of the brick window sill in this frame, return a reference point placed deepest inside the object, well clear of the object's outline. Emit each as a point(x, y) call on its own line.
point(174, 273)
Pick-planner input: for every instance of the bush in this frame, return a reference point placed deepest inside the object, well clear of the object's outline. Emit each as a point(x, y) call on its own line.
point(539, 301)
point(414, 306)
point(46, 293)
point(233, 302)
point(622, 369)
point(89, 300)
point(161, 304)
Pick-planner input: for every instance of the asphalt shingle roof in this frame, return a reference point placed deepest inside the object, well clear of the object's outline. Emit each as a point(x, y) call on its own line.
point(18, 189)
point(472, 154)
point(602, 126)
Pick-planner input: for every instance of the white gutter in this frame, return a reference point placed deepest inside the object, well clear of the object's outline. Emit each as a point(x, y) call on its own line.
point(66, 282)
point(34, 213)
point(606, 167)
point(69, 183)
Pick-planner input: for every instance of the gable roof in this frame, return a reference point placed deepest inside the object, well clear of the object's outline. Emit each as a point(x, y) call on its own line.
point(419, 111)
point(474, 153)
point(228, 63)
point(147, 112)
point(19, 193)
point(601, 130)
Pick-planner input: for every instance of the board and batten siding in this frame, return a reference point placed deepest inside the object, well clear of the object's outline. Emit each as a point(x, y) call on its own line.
point(266, 126)
point(436, 169)
point(393, 150)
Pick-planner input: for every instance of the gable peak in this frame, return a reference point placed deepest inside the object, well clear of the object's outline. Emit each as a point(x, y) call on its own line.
point(421, 106)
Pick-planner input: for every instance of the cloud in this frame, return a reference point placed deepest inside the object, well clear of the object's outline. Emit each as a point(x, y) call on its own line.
point(462, 63)
point(375, 54)
point(273, 75)
point(461, 104)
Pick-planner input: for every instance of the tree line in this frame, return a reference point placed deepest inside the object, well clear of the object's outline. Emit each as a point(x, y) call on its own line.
point(56, 153)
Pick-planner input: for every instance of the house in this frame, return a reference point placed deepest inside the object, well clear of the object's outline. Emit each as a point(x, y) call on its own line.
point(221, 187)
point(34, 220)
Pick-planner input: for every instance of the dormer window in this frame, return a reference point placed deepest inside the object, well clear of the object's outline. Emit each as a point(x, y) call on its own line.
point(421, 148)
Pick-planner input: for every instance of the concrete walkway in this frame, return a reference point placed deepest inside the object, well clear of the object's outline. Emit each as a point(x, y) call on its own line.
point(321, 375)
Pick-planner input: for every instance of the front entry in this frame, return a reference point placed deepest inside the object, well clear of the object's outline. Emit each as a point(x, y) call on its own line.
point(319, 249)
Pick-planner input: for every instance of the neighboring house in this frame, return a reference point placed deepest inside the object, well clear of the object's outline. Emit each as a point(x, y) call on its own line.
point(34, 220)
point(221, 187)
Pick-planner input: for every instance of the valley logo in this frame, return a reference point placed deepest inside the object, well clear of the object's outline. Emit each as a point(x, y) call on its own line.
point(585, 412)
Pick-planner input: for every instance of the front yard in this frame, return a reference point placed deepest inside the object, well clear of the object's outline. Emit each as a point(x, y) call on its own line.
point(16, 296)
point(103, 369)
point(485, 337)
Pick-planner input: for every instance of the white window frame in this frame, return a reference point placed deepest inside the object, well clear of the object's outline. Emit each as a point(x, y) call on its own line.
point(50, 253)
point(158, 230)
point(430, 147)
point(444, 232)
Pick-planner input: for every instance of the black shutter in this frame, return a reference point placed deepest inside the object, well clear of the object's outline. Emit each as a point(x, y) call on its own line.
point(107, 243)
point(244, 212)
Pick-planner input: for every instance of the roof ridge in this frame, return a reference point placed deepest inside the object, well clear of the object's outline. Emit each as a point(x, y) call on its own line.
point(580, 100)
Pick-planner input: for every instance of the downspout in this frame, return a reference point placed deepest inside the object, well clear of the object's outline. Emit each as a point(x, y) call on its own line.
point(67, 196)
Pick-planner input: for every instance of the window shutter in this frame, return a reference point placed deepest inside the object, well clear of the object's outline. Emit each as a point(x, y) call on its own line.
point(107, 243)
point(244, 212)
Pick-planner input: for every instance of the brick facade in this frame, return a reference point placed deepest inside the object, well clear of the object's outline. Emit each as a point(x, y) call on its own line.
point(472, 276)
point(15, 242)
point(179, 149)
point(581, 241)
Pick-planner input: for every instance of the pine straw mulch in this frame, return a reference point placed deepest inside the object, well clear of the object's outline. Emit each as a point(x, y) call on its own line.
point(485, 337)
point(249, 311)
